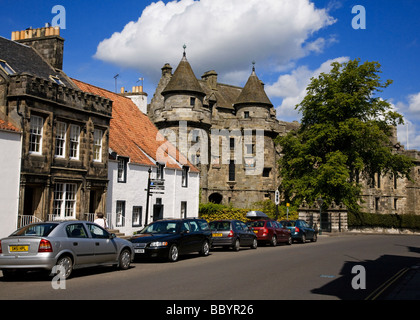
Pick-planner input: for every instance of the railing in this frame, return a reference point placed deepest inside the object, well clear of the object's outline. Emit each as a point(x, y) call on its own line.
point(24, 220)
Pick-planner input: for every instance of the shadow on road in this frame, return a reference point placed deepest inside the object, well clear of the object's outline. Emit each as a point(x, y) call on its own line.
point(377, 272)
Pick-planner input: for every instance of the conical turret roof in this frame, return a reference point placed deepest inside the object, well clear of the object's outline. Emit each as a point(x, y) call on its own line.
point(253, 92)
point(183, 79)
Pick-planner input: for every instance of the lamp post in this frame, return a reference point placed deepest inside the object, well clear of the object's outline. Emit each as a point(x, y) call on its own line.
point(148, 196)
point(320, 201)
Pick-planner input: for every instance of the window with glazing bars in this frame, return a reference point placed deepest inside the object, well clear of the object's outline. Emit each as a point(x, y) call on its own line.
point(64, 205)
point(97, 145)
point(60, 139)
point(35, 136)
point(74, 141)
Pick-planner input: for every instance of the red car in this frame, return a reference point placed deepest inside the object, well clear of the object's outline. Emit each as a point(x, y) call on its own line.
point(271, 231)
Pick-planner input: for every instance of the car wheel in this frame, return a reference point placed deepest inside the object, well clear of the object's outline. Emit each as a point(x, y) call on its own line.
point(173, 253)
point(124, 260)
point(289, 241)
point(303, 240)
point(273, 241)
point(254, 244)
point(314, 238)
point(64, 264)
point(237, 245)
point(205, 249)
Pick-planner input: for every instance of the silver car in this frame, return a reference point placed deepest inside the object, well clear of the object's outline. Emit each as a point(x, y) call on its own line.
point(61, 247)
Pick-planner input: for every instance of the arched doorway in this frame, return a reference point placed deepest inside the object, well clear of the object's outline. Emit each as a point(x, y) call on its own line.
point(216, 198)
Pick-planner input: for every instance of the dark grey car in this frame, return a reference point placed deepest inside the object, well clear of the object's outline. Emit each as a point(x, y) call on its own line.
point(68, 245)
point(233, 234)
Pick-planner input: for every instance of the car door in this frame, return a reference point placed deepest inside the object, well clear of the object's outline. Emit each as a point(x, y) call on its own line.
point(247, 234)
point(105, 247)
point(197, 237)
point(308, 230)
point(186, 238)
point(80, 244)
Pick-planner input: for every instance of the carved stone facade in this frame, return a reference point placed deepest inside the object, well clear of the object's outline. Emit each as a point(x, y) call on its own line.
point(64, 165)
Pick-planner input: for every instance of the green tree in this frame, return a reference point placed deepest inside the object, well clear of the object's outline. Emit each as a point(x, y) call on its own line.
point(345, 135)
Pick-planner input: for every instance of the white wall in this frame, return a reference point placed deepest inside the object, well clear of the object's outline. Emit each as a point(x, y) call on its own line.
point(134, 194)
point(10, 161)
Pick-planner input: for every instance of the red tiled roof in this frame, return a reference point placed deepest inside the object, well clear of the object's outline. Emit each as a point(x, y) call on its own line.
point(131, 130)
point(8, 126)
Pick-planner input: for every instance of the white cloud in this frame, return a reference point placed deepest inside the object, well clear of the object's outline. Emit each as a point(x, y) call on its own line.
point(409, 133)
point(225, 35)
point(292, 88)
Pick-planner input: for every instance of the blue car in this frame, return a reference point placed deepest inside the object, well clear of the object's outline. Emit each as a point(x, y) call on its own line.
point(300, 230)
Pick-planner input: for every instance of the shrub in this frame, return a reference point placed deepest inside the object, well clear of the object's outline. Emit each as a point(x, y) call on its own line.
point(404, 221)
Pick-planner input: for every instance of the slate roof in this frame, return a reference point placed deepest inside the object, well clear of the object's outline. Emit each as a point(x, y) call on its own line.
point(183, 79)
point(253, 92)
point(25, 59)
point(132, 134)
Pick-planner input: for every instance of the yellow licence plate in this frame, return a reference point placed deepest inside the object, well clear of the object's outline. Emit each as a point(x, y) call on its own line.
point(255, 231)
point(217, 235)
point(18, 248)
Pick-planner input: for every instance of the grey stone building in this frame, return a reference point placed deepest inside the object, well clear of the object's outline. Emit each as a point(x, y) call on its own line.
point(210, 123)
point(64, 165)
point(227, 131)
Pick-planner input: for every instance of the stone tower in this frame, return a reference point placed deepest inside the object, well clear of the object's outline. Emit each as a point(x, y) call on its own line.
point(226, 131)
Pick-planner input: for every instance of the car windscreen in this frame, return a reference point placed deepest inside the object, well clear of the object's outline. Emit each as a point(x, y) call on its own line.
point(288, 223)
point(219, 226)
point(37, 230)
point(256, 224)
point(161, 227)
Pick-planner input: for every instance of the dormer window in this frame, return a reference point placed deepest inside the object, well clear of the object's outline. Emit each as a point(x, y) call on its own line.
point(5, 66)
point(57, 80)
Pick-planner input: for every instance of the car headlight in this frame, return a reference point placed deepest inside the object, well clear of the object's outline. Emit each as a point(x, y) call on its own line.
point(158, 244)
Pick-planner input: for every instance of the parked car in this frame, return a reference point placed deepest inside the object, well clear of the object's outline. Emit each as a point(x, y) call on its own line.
point(171, 238)
point(301, 231)
point(232, 234)
point(69, 244)
point(270, 231)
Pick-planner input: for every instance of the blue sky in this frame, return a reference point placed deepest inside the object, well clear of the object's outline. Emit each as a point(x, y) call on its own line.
point(290, 41)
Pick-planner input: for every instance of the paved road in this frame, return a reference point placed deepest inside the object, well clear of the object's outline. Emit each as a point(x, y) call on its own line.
point(311, 271)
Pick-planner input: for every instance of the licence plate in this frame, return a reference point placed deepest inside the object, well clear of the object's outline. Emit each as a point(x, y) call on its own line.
point(217, 235)
point(255, 231)
point(139, 250)
point(18, 248)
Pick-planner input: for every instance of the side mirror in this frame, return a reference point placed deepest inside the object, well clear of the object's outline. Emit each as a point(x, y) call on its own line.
point(112, 235)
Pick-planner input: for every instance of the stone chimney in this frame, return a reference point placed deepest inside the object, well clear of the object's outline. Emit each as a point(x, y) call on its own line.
point(46, 41)
point(211, 78)
point(137, 96)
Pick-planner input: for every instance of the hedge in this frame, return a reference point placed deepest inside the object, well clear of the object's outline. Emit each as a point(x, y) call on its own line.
point(211, 211)
point(372, 220)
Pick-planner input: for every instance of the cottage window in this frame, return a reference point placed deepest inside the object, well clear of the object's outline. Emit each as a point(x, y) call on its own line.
point(122, 170)
point(60, 139)
point(185, 176)
point(35, 135)
point(65, 200)
point(159, 171)
point(97, 145)
point(74, 141)
point(120, 213)
point(183, 209)
point(137, 216)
